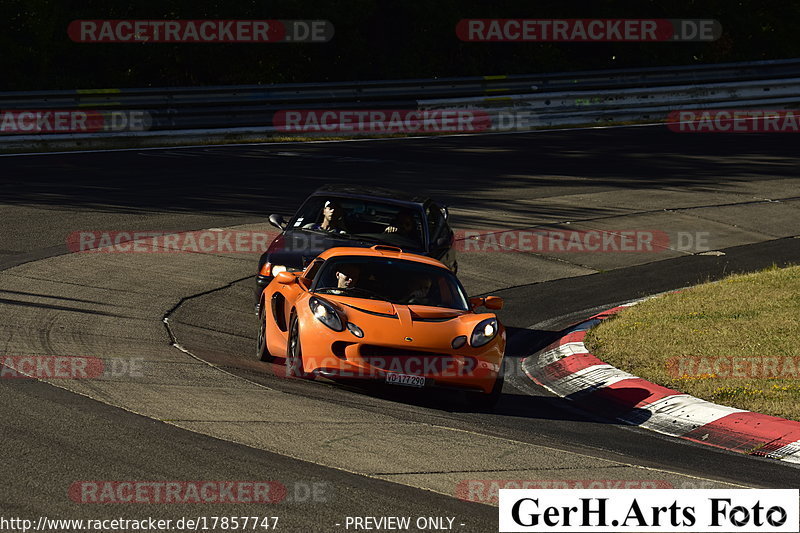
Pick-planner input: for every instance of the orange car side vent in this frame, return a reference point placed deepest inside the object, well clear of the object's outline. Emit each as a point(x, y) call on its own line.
point(386, 248)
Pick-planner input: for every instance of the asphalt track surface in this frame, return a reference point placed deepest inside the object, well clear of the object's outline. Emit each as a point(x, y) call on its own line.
point(740, 190)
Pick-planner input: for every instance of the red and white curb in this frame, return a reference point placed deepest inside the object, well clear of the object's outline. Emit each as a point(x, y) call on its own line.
point(567, 369)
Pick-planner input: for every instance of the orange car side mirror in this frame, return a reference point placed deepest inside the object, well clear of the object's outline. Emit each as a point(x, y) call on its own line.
point(493, 302)
point(490, 302)
point(285, 278)
point(477, 301)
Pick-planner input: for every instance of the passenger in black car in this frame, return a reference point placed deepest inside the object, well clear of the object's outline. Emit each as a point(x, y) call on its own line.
point(403, 224)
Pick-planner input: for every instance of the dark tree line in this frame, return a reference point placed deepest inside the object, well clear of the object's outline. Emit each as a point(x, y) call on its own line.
point(375, 39)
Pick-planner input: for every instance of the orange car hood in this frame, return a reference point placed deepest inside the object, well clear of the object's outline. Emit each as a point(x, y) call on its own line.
point(408, 314)
point(387, 308)
point(370, 306)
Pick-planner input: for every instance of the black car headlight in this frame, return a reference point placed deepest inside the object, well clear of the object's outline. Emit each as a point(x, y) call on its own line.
point(485, 331)
point(325, 313)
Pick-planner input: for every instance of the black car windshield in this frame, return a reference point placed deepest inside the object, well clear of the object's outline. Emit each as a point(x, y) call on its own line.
point(395, 280)
point(368, 220)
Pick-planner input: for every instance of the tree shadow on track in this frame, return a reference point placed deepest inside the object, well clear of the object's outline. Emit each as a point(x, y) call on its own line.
point(54, 307)
point(473, 173)
point(521, 342)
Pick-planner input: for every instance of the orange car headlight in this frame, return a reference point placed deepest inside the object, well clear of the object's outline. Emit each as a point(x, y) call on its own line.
point(485, 331)
point(325, 313)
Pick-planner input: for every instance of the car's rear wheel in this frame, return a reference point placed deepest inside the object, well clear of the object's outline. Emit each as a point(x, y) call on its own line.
point(294, 352)
point(262, 352)
point(482, 401)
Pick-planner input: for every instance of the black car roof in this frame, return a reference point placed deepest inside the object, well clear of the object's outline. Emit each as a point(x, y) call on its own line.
point(355, 191)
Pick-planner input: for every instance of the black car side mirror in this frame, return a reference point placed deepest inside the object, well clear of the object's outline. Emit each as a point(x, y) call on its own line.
point(277, 221)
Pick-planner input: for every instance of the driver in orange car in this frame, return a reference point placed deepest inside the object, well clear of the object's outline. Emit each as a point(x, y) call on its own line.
point(347, 276)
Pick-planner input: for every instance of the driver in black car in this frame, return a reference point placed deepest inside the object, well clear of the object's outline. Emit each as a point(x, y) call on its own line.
point(332, 219)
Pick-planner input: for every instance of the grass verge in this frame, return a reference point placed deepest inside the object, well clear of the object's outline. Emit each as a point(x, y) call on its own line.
point(733, 342)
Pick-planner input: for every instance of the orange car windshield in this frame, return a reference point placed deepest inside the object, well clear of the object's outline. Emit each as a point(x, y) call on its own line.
point(394, 280)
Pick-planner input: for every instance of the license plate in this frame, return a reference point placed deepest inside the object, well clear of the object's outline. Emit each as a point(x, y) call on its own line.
point(405, 379)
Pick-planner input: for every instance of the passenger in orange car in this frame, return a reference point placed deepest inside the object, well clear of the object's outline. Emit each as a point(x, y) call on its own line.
point(419, 290)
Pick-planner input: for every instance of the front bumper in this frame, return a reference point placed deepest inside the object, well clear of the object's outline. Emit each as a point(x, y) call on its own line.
point(466, 368)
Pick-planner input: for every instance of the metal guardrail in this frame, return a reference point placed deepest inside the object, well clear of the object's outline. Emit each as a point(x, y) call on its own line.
point(587, 97)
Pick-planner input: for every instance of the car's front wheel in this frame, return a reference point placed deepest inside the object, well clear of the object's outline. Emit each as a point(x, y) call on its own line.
point(294, 352)
point(262, 352)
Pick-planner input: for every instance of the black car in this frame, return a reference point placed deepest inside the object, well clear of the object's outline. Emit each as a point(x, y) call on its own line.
point(339, 215)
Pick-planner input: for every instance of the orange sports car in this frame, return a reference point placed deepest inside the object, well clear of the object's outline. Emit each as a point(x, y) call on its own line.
point(379, 313)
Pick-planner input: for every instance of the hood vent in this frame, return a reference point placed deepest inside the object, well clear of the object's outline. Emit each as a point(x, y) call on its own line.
point(375, 313)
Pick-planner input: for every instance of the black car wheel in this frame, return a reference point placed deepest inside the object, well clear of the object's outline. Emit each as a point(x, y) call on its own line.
point(294, 352)
point(262, 352)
